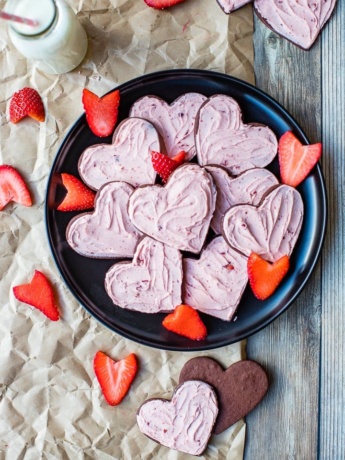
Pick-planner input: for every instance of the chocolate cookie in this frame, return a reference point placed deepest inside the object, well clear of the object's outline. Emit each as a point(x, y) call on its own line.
point(239, 388)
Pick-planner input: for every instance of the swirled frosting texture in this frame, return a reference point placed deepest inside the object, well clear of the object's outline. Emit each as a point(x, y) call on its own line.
point(185, 423)
point(107, 232)
point(231, 5)
point(214, 284)
point(174, 122)
point(178, 214)
point(223, 139)
point(271, 230)
point(247, 188)
point(127, 159)
point(151, 283)
point(300, 21)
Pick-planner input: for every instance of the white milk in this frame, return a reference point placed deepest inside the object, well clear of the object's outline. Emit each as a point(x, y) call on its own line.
point(58, 44)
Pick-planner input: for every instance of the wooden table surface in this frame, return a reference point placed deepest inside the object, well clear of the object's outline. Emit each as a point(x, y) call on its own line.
point(303, 416)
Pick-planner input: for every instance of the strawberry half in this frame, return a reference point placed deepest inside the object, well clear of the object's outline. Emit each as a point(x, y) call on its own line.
point(164, 166)
point(101, 112)
point(187, 322)
point(161, 4)
point(295, 159)
point(78, 197)
point(13, 187)
point(39, 294)
point(26, 102)
point(114, 377)
point(264, 277)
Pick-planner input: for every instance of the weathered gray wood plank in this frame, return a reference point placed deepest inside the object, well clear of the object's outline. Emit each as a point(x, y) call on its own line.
point(285, 425)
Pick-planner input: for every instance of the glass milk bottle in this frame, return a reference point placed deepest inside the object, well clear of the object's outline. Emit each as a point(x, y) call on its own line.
point(57, 44)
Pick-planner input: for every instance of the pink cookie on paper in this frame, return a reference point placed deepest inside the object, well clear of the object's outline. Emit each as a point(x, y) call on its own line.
point(270, 230)
point(106, 232)
point(151, 283)
point(297, 21)
point(246, 188)
point(214, 284)
point(223, 139)
point(127, 159)
point(178, 214)
point(174, 122)
point(185, 423)
point(232, 5)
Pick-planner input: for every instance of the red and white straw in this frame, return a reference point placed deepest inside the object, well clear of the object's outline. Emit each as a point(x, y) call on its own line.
point(13, 17)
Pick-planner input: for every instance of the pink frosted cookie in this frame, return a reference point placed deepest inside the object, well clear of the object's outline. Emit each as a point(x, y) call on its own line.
point(298, 21)
point(151, 283)
point(247, 188)
point(223, 139)
point(185, 423)
point(231, 5)
point(127, 159)
point(214, 284)
point(106, 232)
point(174, 122)
point(271, 230)
point(179, 213)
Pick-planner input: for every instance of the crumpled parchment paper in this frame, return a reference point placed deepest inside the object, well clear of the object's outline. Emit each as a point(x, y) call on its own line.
point(51, 406)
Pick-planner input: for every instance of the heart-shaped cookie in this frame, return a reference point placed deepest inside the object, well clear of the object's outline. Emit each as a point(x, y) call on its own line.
point(127, 159)
point(185, 423)
point(174, 122)
point(106, 232)
point(299, 22)
point(239, 388)
point(214, 284)
point(151, 283)
point(247, 188)
point(223, 139)
point(232, 5)
point(271, 230)
point(179, 213)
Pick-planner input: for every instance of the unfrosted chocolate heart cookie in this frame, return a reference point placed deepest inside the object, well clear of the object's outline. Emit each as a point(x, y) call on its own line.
point(127, 159)
point(214, 284)
point(270, 230)
point(151, 283)
point(222, 139)
point(179, 213)
point(247, 188)
point(231, 5)
point(239, 388)
point(299, 22)
point(174, 122)
point(185, 423)
point(106, 232)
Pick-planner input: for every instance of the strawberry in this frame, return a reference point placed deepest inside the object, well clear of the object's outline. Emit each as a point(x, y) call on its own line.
point(161, 4)
point(295, 159)
point(26, 102)
point(13, 187)
point(101, 112)
point(78, 197)
point(115, 378)
point(39, 294)
point(187, 322)
point(164, 166)
point(264, 277)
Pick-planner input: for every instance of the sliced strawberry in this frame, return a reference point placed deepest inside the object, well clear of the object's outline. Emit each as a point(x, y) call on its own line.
point(295, 159)
point(78, 197)
point(161, 4)
point(187, 322)
point(264, 277)
point(114, 377)
point(26, 102)
point(164, 166)
point(13, 187)
point(39, 294)
point(101, 112)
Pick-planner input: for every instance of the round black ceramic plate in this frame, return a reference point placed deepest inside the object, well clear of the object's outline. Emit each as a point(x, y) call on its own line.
point(85, 276)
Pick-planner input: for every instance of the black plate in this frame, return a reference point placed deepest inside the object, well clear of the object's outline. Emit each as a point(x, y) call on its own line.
point(85, 277)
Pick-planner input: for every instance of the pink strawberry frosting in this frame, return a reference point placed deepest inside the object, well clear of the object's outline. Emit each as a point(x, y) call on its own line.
point(231, 5)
